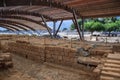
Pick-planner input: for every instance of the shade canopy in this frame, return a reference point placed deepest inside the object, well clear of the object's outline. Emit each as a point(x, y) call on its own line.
point(38, 11)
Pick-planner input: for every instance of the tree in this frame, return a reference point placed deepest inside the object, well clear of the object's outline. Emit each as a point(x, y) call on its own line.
point(88, 26)
point(111, 27)
point(118, 25)
point(97, 26)
point(94, 26)
point(100, 24)
point(64, 29)
point(72, 27)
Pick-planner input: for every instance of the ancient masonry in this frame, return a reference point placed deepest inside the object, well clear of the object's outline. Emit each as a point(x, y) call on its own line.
point(58, 55)
point(111, 68)
point(5, 60)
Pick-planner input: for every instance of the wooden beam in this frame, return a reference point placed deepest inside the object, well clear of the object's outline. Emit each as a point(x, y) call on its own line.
point(46, 26)
point(83, 28)
point(10, 27)
point(77, 25)
point(7, 27)
point(10, 12)
point(99, 7)
point(16, 24)
point(23, 18)
point(103, 13)
point(89, 3)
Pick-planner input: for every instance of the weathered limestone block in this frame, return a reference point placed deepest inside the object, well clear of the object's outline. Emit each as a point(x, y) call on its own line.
point(6, 60)
point(116, 48)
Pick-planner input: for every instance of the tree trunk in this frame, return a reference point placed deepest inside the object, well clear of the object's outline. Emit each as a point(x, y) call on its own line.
point(109, 34)
point(96, 37)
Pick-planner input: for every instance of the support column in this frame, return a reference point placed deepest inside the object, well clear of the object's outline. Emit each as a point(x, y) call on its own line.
point(46, 26)
point(4, 3)
point(83, 28)
point(54, 28)
point(38, 32)
point(76, 24)
point(30, 2)
point(59, 27)
point(21, 32)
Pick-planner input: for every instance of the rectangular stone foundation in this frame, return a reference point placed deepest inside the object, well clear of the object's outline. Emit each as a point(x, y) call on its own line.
point(58, 55)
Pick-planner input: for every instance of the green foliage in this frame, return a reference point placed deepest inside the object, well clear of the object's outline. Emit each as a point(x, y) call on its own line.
point(97, 26)
point(111, 26)
point(64, 29)
point(100, 24)
point(88, 26)
point(72, 27)
point(118, 24)
point(94, 26)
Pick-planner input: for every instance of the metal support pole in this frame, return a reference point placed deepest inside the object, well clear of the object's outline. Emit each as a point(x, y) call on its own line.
point(46, 26)
point(38, 33)
point(4, 3)
point(21, 32)
point(54, 28)
point(76, 24)
point(31, 32)
point(59, 27)
point(30, 2)
point(83, 28)
point(50, 1)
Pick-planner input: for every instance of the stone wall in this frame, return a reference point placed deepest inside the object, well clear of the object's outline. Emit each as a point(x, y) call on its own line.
point(61, 55)
point(28, 51)
point(116, 48)
point(51, 54)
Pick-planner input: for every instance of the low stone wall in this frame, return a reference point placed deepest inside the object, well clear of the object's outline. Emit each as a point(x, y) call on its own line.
point(100, 50)
point(58, 55)
point(116, 48)
point(28, 51)
point(61, 55)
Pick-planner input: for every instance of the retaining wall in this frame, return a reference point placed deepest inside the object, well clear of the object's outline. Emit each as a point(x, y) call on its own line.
point(116, 48)
point(58, 55)
point(28, 51)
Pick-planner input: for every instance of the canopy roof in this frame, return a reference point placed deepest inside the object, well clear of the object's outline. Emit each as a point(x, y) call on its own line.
point(84, 8)
point(53, 10)
point(94, 8)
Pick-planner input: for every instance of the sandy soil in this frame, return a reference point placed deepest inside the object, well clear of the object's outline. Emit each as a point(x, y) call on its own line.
point(28, 70)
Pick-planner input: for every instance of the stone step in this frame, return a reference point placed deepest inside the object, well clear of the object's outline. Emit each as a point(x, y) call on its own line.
point(108, 78)
point(114, 56)
point(112, 65)
point(111, 74)
point(111, 69)
point(88, 60)
point(113, 61)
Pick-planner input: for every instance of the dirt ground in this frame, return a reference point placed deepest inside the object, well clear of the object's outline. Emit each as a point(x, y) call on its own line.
point(28, 70)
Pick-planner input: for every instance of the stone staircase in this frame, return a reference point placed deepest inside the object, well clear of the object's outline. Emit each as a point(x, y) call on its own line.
point(111, 68)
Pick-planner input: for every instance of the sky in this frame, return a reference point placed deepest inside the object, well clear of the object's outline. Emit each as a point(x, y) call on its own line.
point(2, 29)
point(65, 24)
